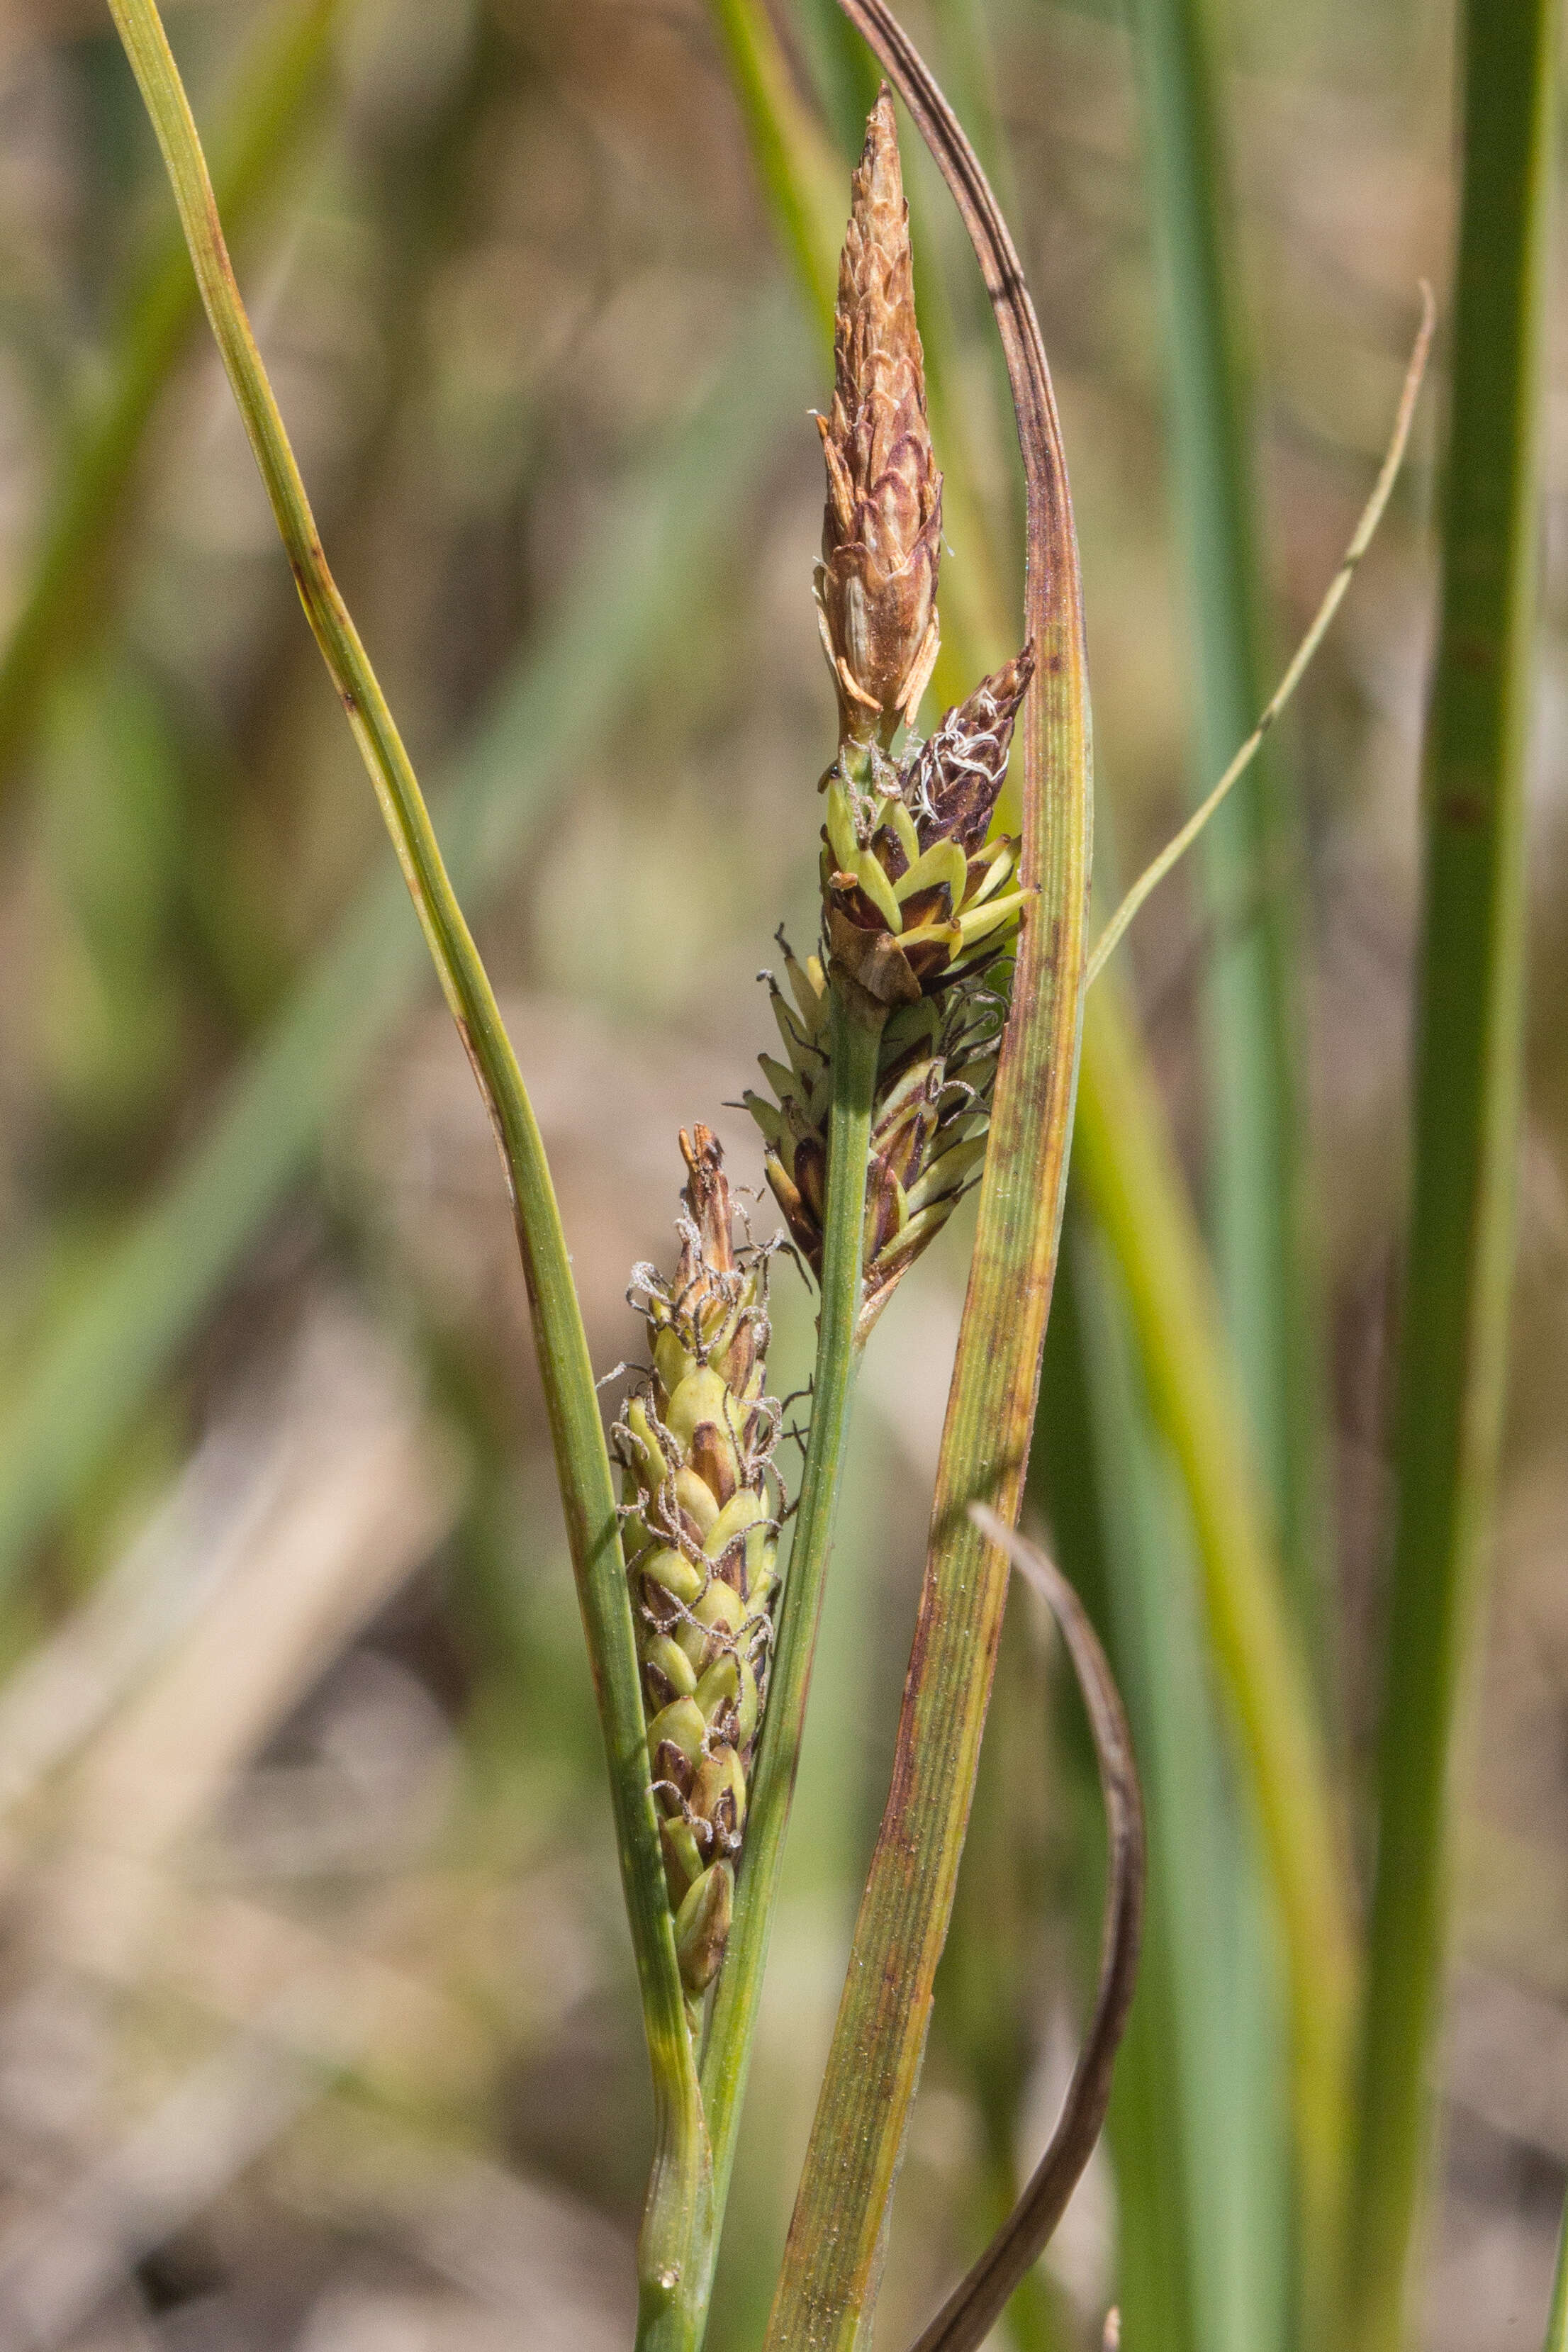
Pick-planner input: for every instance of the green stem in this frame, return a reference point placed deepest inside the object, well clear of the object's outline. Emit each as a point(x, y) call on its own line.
point(1252, 1063)
point(677, 2194)
point(728, 2054)
point(1453, 1347)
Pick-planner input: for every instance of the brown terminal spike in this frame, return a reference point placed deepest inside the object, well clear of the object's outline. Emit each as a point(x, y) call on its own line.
point(881, 531)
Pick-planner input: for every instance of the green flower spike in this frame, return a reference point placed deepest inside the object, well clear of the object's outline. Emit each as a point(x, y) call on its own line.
point(701, 1503)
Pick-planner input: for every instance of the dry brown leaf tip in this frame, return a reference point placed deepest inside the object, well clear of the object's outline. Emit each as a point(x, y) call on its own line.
point(875, 585)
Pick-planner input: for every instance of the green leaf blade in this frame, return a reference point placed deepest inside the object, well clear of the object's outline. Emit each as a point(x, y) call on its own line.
point(1469, 1065)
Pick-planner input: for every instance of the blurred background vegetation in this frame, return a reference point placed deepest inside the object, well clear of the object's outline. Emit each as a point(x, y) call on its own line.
point(317, 2025)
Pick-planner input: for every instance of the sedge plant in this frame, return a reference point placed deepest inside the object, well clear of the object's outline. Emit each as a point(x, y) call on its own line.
point(931, 1037)
point(692, 1665)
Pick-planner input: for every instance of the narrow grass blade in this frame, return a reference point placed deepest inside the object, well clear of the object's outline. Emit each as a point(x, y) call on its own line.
point(832, 2259)
point(1301, 660)
point(1257, 1130)
point(1453, 1340)
point(1123, 1160)
point(1257, 1123)
point(269, 107)
point(967, 2318)
point(617, 626)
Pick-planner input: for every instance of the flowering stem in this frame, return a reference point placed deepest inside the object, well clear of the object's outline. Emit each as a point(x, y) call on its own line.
point(855, 1036)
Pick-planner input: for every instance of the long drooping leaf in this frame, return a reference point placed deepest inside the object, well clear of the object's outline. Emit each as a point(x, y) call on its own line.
point(271, 101)
point(832, 2259)
point(1453, 1339)
point(680, 2186)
